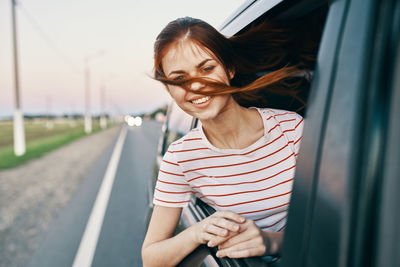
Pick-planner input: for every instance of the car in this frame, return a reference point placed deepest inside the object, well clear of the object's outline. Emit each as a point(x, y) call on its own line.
point(343, 205)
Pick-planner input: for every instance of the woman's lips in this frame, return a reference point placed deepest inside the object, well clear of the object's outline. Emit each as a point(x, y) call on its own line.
point(201, 102)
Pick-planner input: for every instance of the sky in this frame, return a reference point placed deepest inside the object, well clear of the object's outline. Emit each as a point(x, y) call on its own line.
point(55, 37)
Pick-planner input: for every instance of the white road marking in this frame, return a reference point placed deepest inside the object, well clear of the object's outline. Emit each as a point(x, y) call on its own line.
point(87, 247)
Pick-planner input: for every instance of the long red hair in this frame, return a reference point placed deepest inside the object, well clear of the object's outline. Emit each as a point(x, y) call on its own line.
point(271, 59)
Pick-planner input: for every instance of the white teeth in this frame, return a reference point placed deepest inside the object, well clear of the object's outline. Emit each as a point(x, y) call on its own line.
point(201, 100)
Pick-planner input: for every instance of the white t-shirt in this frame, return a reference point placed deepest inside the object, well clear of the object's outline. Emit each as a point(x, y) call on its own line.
point(255, 181)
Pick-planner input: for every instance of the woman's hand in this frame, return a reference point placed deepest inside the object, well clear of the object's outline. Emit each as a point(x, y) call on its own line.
point(248, 242)
point(219, 226)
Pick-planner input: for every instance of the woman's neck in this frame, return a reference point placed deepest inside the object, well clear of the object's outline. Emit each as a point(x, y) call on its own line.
point(235, 127)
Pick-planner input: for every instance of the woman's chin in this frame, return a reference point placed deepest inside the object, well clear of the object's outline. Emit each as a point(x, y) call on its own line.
point(206, 115)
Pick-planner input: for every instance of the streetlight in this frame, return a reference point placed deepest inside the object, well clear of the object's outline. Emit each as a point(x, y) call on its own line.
point(88, 117)
point(18, 123)
point(103, 119)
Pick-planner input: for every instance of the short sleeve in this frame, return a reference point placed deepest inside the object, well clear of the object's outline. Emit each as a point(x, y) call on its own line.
point(172, 189)
point(298, 133)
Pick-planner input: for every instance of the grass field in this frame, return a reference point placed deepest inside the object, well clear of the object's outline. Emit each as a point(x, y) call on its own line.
point(41, 136)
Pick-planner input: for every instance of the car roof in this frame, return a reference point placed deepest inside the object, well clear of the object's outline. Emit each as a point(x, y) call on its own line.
point(245, 14)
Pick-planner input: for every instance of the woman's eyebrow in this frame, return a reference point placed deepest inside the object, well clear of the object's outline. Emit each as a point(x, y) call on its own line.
point(203, 62)
point(197, 66)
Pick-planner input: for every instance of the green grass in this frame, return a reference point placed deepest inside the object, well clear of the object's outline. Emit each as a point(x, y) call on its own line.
point(39, 140)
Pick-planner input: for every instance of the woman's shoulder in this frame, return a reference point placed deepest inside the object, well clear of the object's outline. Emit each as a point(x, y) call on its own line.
point(279, 114)
point(187, 140)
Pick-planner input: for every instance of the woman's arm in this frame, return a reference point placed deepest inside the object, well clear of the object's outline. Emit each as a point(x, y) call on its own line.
point(250, 241)
point(160, 248)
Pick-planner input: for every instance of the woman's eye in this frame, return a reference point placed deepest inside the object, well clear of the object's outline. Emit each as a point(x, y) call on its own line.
point(177, 78)
point(209, 68)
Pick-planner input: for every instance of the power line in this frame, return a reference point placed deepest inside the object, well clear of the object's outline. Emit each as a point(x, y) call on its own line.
point(47, 39)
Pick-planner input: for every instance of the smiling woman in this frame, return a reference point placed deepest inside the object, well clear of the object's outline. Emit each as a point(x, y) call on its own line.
point(186, 59)
point(241, 159)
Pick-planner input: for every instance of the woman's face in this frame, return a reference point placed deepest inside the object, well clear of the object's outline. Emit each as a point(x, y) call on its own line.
point(187, 60)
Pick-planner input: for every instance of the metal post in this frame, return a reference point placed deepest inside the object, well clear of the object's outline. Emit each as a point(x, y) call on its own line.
point(88, 117)
point(18, 125)
point(103, 119)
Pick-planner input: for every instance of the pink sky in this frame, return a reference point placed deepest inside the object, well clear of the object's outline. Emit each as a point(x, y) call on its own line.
point(124, 29)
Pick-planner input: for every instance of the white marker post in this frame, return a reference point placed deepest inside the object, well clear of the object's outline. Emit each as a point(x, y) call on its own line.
point(18, 123)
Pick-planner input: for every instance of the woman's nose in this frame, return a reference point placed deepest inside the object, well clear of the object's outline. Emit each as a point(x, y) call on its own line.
point(196, 86)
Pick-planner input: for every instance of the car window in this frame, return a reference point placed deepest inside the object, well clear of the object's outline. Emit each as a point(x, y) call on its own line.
point(177, 124)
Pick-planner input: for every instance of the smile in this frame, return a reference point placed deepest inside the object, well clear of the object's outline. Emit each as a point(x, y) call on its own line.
point(201, 100)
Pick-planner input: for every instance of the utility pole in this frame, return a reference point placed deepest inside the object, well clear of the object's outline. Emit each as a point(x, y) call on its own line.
point(103, 119)
point(88, 116)
point(49, 122)
point(18, 124)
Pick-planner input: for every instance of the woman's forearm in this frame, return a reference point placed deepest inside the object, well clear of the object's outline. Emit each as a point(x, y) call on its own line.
point(171, 251)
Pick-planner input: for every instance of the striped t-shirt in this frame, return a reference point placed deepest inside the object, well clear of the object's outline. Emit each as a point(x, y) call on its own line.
point(255, 181)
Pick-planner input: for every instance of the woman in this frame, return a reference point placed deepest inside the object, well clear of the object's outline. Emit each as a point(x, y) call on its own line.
point(241, 159)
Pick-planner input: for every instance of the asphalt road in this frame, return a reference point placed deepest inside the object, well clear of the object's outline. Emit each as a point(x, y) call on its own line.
point(123, 226)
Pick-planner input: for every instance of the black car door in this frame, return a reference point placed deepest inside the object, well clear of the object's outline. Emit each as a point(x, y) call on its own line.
point(338, 204)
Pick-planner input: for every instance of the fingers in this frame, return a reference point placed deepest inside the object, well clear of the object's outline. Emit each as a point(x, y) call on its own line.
point(217, 225)
point(249, 231)
point(225, 223)
point(231, 216)
point(215, 229)
point(217, 240)
point(243, 250)
point(233, 241)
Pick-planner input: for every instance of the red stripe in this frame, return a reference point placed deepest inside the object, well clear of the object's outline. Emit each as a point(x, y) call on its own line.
point(268, 226)
point(177, 174)
point(251, 191)
point(165, 182)
point(299, 123)
point(298, 140)
point(195, 178)
point(173, 202)
point(174, 144)
point(187, 150)
point(262, 218)
point(287, 120)
point(243, 154)
point(254, 211)
point(192, 139)
point(264, 168)
point(281, 114)
point(252, 201)
point(274, 260)
point(170, 192)
point(290, 130)
point(282, 228)
point(276, 125)
point(170, 162)
point(250, 182)
point(236, 164)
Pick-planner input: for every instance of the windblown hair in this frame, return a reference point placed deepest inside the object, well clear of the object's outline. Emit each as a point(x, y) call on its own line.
point(271, 61)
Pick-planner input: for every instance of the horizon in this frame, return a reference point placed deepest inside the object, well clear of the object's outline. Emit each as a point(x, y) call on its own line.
point(54, 38)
